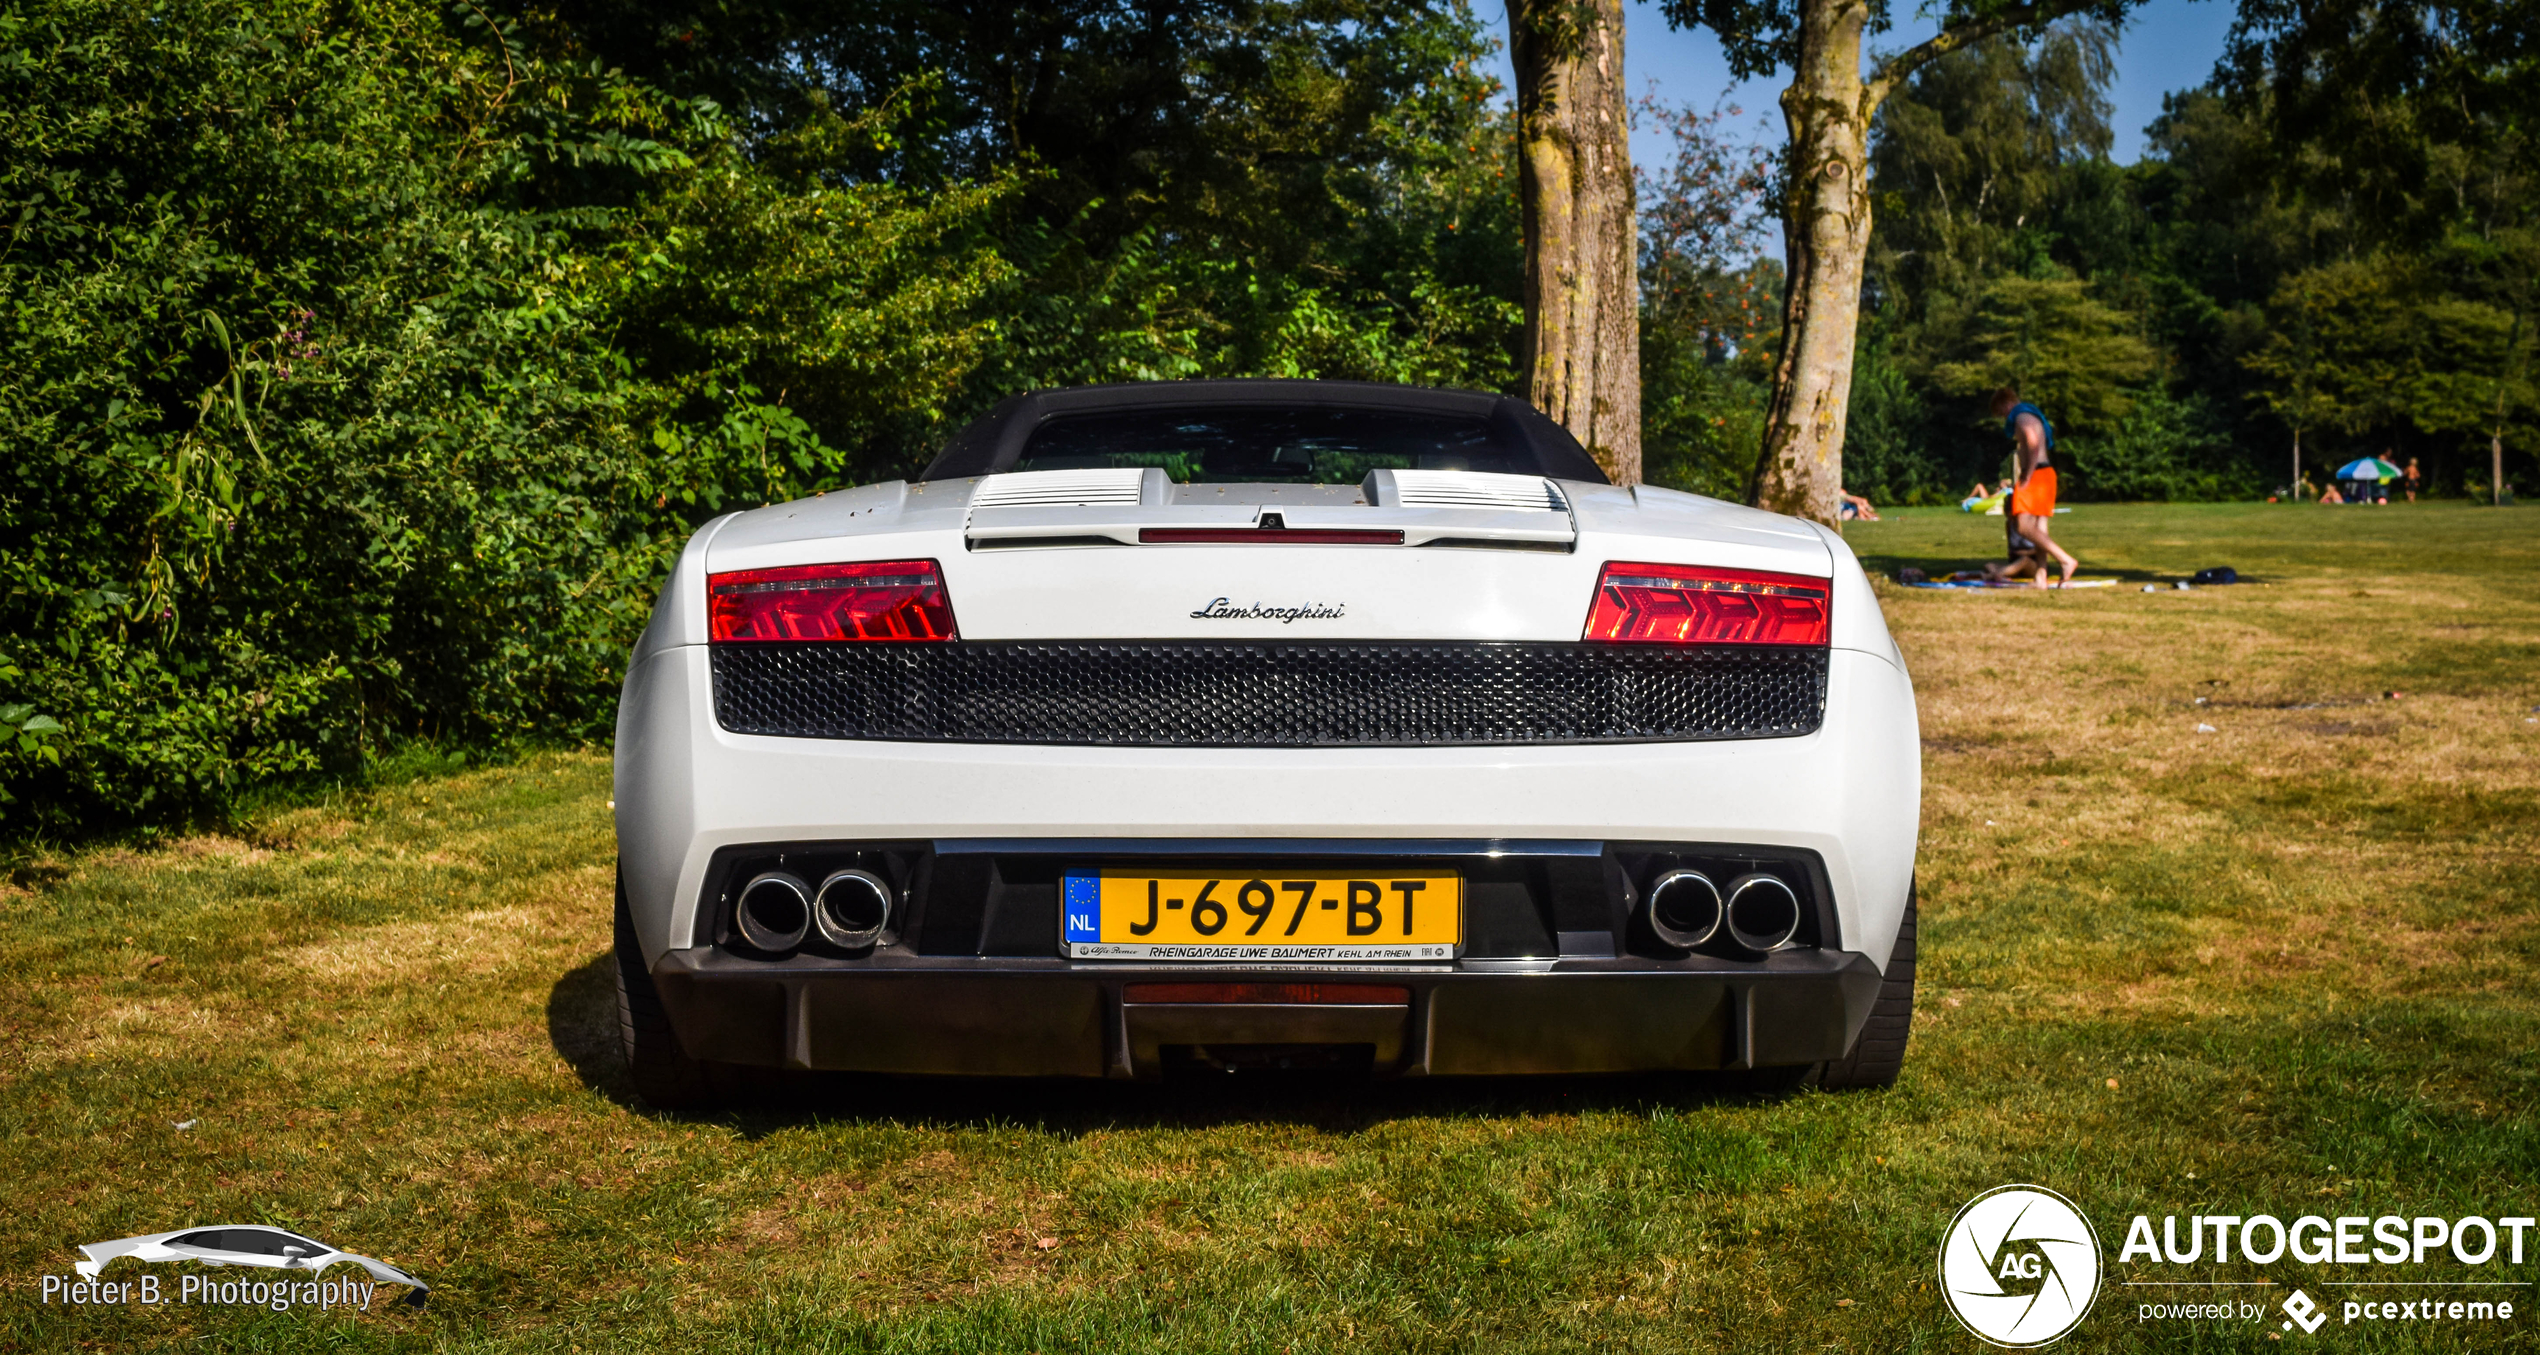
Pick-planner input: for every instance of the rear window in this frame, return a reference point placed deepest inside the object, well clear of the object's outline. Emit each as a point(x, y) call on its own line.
point(1303, 446)
point(250, 1241)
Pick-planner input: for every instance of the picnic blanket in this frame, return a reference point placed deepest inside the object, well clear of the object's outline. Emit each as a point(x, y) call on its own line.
point(2010, 583)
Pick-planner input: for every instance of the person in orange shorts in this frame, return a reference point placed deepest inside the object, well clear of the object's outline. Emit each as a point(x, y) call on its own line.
point(2032, 506)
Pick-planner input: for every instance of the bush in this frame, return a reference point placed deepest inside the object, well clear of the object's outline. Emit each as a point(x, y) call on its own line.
point(317, 429)
point(2164, 447)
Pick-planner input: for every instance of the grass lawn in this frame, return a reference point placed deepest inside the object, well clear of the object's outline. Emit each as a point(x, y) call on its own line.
point(2284, 966)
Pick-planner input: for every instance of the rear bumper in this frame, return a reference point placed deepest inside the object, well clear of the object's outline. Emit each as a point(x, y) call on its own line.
point(991, 1016)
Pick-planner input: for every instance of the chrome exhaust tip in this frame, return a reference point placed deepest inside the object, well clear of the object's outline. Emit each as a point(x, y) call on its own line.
point(1684, 908)
point(774, 913)
point(1763, 912)
point(852, 909)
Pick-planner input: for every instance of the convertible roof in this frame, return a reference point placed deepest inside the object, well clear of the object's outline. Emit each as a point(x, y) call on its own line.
point(994, 441)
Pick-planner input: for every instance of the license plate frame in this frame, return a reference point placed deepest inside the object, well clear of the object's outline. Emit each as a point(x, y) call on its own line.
point(1102, 908)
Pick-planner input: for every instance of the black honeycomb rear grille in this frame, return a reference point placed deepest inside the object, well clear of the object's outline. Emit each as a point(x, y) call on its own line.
point(1215, 695)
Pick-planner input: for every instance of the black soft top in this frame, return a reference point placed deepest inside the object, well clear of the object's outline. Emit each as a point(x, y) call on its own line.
point(994, 441)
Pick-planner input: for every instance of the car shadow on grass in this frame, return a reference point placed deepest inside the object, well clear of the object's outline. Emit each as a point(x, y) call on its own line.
point(582, 1026)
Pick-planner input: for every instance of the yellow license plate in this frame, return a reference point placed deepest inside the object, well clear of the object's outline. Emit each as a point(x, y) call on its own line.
point(1217, 914)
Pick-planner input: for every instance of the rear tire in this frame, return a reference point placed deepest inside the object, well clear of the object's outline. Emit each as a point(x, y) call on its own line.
point(663, 1073)
point(1879, 1055)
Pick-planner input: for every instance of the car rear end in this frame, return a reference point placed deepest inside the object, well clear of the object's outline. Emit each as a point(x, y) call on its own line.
point(1107, 759)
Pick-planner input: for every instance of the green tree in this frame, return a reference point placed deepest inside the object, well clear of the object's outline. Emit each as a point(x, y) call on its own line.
point(1990, 170)
point(2422, 118)
point(2061, 347)
point(1202, 187)
point(2395, 346)
point(1707, 303)
point(315, 433)
point(1826, 198)
point(1575, 189)
point(1973, 165)
point(2289, 367)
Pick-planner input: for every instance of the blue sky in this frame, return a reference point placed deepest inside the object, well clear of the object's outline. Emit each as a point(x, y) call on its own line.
point(2168, 45)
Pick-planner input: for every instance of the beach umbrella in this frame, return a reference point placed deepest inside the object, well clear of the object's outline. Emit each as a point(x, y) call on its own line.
point(2369, 468)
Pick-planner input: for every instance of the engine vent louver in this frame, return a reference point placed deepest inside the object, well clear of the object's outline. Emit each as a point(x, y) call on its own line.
point(1463, 489)
point(1059, 489)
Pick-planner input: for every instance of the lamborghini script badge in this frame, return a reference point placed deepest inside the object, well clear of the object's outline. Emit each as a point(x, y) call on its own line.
point(1222, 610)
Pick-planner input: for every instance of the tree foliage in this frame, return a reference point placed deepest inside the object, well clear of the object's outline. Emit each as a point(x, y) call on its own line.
point(2055, 343)
point(1708, 306)
point(2419, 120)
point(318, 431)
point(2256, 276)
point(363, 364)
point(1201, 187)
point(2002, 258)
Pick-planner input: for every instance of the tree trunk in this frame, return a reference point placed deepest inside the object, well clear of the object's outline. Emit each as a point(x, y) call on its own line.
point(1582, 287)
point(1826, 236)
point(2496, 440)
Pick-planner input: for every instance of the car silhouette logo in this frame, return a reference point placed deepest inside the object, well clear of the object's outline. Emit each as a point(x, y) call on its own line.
point(245, 1245)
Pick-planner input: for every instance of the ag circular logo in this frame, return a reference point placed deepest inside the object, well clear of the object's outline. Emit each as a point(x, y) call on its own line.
point(2019, 1266)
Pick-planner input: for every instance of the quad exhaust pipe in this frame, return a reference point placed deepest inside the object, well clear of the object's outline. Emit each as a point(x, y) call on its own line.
point(1684, 908)
point(1763, 912)
point(1759, 912)
point(852, 909)
point(778, 911)
point(774, 913)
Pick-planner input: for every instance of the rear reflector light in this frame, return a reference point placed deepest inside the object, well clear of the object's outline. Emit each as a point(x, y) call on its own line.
point(1268, 536)
point(873, 600)
point(1346, 994)
point(1674, 605)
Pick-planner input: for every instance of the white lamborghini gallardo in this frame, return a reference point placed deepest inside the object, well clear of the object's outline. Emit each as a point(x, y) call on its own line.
point(1216, 725)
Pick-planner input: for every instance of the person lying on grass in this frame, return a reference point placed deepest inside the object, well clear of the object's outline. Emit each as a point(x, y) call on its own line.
point(2033, 501)
point(2023, 556)
point(1855, 508)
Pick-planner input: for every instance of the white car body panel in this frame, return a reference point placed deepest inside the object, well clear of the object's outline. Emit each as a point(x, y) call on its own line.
point(1837, 791)
point(1524, 567)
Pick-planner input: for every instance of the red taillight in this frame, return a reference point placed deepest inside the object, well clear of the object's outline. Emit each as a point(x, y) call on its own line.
point(1344, 994)
point(874, 600)
point(1676, 605)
